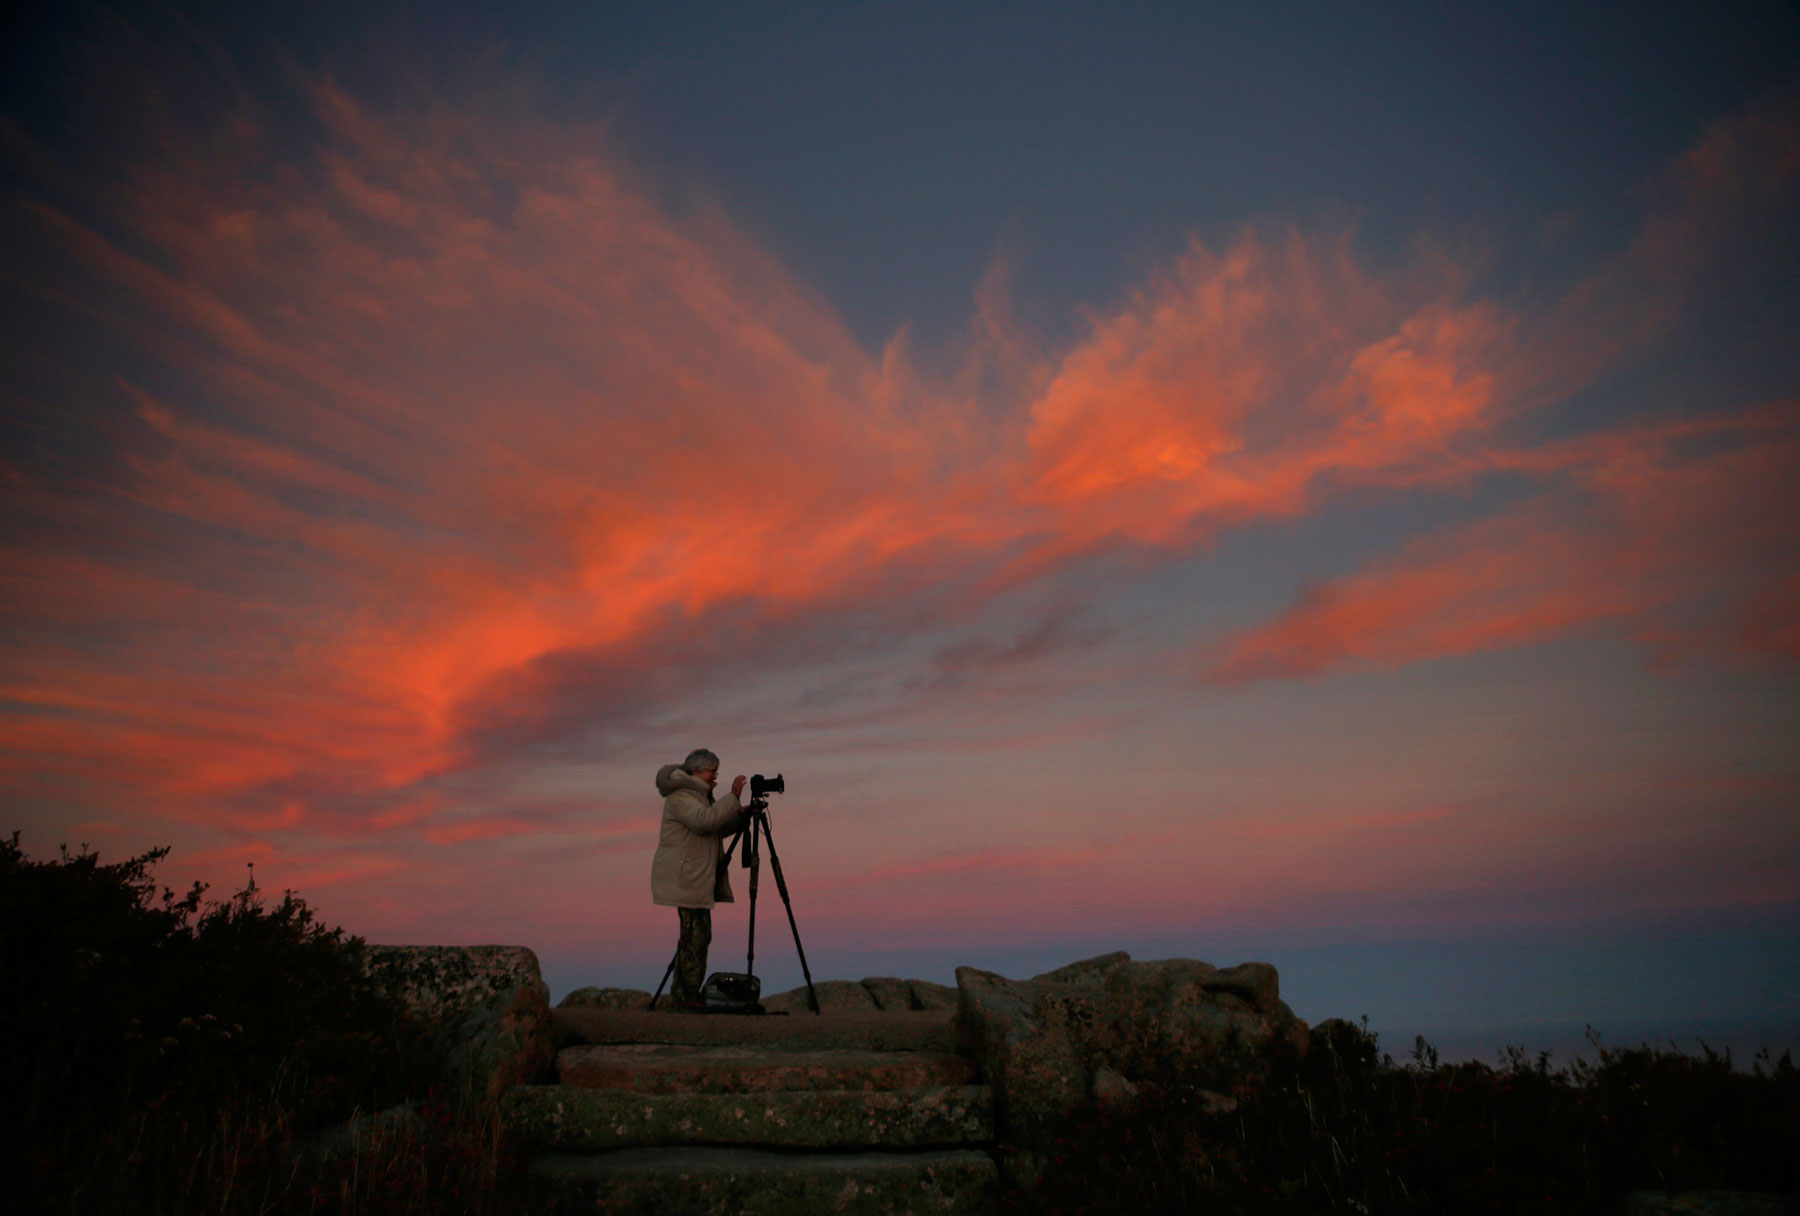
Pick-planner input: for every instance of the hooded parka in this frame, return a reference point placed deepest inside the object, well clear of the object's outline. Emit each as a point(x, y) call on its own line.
point(685, 873)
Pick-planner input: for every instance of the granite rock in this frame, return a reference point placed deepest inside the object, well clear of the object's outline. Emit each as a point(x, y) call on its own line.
point(888, 993)
point(486, 1008)
point(1100, 1032)
point(927, 995)
point(835, 996)
point(884, 993)
point(605, 998)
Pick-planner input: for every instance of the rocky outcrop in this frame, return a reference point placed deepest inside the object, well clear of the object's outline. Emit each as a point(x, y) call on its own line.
point(1098, 1033)
point(835, 996)
point(605, 998)
point(888, 993)
point(486, 1008)
point(882, 993)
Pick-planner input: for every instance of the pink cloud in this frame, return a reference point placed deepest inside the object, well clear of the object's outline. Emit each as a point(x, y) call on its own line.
point(1240, 385)
point(1673, 541)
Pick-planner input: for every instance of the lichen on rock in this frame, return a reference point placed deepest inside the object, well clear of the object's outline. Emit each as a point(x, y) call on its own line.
point(876, 993)
point(485, 1007)
point(1103, 1030)
point(605, 998)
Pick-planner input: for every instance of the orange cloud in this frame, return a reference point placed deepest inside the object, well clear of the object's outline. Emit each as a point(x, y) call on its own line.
point(1672, 540)
point(1238, 386)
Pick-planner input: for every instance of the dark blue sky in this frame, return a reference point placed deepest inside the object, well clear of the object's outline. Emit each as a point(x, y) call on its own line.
point(888, 151)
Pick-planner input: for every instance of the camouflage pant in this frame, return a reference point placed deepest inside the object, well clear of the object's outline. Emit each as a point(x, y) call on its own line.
point(690, 955)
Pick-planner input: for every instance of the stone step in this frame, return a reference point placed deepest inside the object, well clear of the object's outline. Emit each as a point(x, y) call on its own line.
point(900, 1030)
point(714, 1181)
point(662, 1068)
point(565, 1119)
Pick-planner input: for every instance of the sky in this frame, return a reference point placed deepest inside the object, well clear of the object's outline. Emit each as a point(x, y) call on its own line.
point(1291, 483)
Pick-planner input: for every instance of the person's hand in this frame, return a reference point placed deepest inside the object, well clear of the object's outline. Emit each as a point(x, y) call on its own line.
point(737, 785)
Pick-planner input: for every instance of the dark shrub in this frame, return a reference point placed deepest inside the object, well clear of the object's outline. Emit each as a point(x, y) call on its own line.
point(173, 1053)
point(1346, 1129)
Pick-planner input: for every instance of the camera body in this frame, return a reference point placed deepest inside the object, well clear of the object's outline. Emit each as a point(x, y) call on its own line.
point(760, 789)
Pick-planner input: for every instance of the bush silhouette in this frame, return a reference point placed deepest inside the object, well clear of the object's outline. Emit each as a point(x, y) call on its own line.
point(175, 1048)
point(1346, 1129)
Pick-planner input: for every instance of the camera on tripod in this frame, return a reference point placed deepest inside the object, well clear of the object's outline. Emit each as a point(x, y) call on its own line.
point(761, 785)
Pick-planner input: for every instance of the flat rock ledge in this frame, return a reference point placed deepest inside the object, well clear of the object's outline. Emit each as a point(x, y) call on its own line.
point(657, 1068)
point(704, 1181)
point(910, 1030)
point(876, 994)
point(606, 998)
point(565, 1119)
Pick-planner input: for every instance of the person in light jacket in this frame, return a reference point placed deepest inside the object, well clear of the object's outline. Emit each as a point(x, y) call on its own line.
point(685, 873)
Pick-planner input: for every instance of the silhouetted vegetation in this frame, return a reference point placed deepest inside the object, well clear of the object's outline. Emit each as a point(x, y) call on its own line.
point(1347, 1129)
point(175, 1054)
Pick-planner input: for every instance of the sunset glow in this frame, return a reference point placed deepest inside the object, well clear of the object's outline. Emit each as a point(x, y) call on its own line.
point(396, 477)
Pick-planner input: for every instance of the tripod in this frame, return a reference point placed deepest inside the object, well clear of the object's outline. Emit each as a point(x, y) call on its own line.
point(754, 835)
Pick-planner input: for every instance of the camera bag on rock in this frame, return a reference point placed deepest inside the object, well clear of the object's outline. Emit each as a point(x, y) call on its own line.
point(731, 992)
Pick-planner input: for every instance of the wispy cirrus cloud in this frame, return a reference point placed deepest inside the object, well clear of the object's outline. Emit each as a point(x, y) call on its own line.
point(1680, 534)
point(1676, 541)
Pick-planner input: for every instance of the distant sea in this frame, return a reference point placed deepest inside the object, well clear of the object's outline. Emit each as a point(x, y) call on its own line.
point(1566, 1041)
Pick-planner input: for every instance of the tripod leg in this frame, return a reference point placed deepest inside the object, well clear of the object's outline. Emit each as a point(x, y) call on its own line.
point(752, 856)
point(732, 847)
point(812, 997)
point(665, 979)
